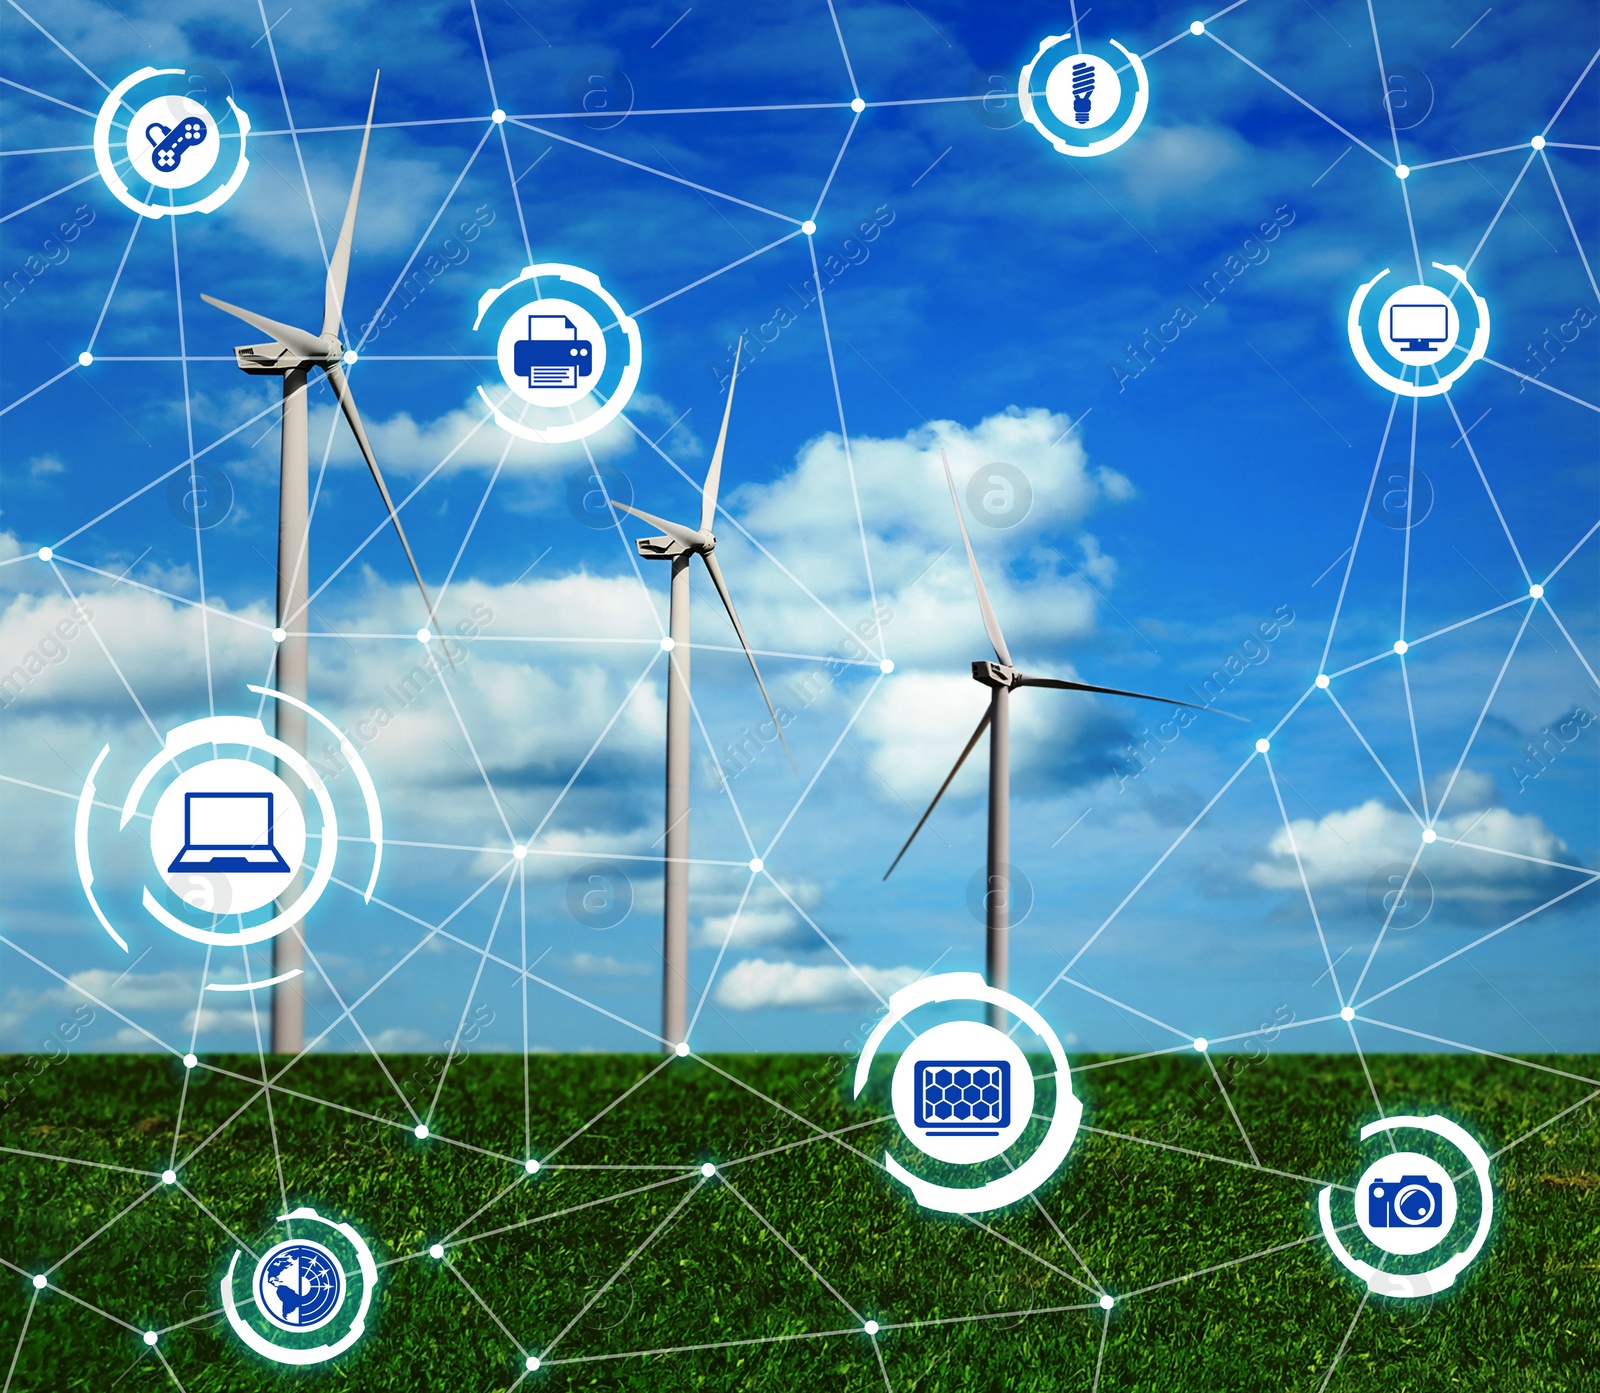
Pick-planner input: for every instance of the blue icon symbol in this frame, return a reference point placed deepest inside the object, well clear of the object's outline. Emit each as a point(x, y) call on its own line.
point(962, 1097)
point(300, 1286)
point(171, 141)
point(228, 832)
point(553, 355)
point(1414, 1202)
point(1082, 91)
point(1418, 328)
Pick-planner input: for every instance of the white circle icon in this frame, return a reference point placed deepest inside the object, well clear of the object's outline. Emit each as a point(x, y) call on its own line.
point(552, 353)
point(1084, 91)
point(172, 142)
point(227, 836)
point(568, 354)
point(962, 1092)
point(1406, 1203)
point(1418, 325)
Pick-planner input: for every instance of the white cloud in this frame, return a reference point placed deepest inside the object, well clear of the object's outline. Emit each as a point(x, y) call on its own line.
point(604, 965)
point(404, 1040)
point(756, 984)
point(1343, 849)
point(131, 992)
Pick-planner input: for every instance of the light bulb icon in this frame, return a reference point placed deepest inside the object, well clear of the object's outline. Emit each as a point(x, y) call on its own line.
point(1082, 90)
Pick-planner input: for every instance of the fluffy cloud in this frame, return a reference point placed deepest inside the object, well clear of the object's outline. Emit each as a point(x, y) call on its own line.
point(756, 984)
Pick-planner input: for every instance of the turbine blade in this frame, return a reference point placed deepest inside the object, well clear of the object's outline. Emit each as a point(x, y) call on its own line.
point(307, 345)
point(961, 759)
point(715, 571)
point(708, 501)
point(677, 532)
point(1063, 685)
point(990, 623)
point(347, 402)
point(339, 264)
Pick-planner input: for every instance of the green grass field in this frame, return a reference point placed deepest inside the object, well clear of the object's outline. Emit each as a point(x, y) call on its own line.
point(960, 1307)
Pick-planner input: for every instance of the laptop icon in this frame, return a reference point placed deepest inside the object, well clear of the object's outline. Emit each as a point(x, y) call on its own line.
point(228, 832)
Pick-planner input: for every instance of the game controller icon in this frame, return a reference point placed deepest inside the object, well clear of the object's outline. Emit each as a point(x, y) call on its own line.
point(171, 141)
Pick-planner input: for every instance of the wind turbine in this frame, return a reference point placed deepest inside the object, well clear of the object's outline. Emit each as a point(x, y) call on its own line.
point(679, 545)
point(1001, 678)
point(292, 355)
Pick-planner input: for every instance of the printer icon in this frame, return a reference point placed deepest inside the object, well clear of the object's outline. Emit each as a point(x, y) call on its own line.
point(553, 355)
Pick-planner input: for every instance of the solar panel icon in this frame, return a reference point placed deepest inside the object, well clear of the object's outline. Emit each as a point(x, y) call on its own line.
point(962, 1097)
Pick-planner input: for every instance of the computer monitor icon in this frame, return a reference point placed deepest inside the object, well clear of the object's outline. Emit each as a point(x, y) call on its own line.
point(228, 832)
point(1418, 328)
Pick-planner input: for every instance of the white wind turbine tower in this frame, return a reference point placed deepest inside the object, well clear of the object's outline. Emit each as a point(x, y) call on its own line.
point(292, 355)
point(1001, 678)
point(678, 546)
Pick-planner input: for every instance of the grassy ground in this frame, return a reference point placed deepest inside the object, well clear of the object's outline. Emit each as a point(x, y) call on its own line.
point(1523, 1319)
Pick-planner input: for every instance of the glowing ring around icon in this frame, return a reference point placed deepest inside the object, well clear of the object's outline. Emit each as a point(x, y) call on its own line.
point(1063, 1130)
point(247, 731)
point(319, 1353)
point(1369, 365)
point(1435, 1279)
point(611, 408)
point(1141, 103)
point(108, 169)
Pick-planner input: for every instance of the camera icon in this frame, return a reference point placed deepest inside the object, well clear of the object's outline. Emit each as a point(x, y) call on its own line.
point(1412, 1202)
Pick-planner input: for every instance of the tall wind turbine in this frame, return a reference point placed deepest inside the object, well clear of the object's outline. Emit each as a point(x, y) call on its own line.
point(1001, 678)
point(292, 355)
point(678, 546)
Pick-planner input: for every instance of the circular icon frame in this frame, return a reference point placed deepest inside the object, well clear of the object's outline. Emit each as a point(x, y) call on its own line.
point(106, 162)
point(1385, 378)
point(1064, 1121)
point(1120, 136)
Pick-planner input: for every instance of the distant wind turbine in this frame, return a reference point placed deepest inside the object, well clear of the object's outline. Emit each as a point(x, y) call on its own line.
point(1001, 678)
point(678, 545)
point(292, 355)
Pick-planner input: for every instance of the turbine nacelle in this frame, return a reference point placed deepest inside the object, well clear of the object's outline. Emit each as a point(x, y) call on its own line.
point(275, 359)
point(995, 674)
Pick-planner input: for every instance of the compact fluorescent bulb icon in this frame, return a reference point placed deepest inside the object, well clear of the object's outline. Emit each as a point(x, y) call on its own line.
point(1082, 90)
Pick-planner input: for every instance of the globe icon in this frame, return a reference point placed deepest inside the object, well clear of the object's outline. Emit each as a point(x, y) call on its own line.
point(299, 1285)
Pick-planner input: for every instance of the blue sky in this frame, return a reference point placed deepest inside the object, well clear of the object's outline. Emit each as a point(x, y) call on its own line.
point(994, 305)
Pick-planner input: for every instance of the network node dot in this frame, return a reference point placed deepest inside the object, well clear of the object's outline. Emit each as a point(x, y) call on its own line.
point(150, 1337)
point(1401, 646)
point(350, 357)
point(1429, 835)
point(1538, 144)
point(886, 666)
point(169, 1177)
point(531, 1166)
point(1106, 1302)
point(85, 359)
point(1197, 28)
point(423, 635)
point(667, 645)
point(1201, 1044)
point(533, 1362)
point(808, 227)
point(1322, 680)
point(1263, 745)
point(858, 106)
point(681, 1049)
point(190, 1060)
point(437, 1251)
point(40, 1282)
point(498, 116)
point(871, 1327)
point(708, 1170)
point(420, 1131)
point(756, 864)
point(45, 553)
point(1348, 1013)
point(519, 851)
point(1536, 592)
point(1402, 171)
point(278, 635)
